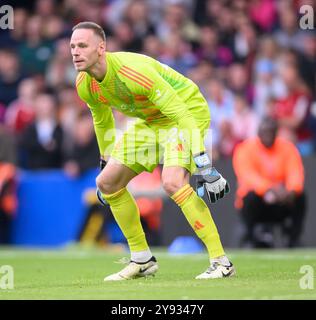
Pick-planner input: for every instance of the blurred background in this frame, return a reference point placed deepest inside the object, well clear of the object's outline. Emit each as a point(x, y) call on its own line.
point(250, 59)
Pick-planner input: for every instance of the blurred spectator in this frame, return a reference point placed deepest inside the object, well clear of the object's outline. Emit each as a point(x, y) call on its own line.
point(264, 14)
point(41, 142)
point(115, 11)
point(245, 40)
point(244, 121)
point(126, 37)
point(228, 140)
point(210, 50)
point(69, 106)
point(35, 52)
point(270, 178)
point(137, 15)
point(238, 81)
point(201, 74)
point(84, 154)
point(60, 70)
point(112, 44)
point(289, 35)
point(20, 113)
point(176, 19)
point(88, 10)
point(225, 26)
point(8, 197)
point(307, 61)
point(54, 28)
point(178, 54)
point(152, 46)
point(267, 82)
point(293, 110)
point(11, 38)
point(2, 112)
point(10, 76)
point(45, 8)
point(221, 103)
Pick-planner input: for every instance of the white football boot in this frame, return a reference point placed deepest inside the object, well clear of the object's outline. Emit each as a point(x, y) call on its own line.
point(135, 270)
point(217, 270)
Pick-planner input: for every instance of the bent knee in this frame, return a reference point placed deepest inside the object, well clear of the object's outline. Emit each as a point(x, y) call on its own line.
point(105, 185)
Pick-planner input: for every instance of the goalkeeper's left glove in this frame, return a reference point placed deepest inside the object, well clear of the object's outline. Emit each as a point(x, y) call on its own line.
point(209, 179)
point(99, 193)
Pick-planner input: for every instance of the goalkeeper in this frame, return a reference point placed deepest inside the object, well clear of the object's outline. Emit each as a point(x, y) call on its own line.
point(173, 117)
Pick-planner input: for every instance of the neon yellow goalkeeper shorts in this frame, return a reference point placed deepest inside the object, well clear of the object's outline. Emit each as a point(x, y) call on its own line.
point(143, 146)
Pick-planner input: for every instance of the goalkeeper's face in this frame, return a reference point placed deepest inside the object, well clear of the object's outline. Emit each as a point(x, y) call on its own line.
point(86, 49)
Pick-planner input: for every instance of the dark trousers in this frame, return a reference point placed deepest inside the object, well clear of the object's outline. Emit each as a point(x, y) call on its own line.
point(290, 217)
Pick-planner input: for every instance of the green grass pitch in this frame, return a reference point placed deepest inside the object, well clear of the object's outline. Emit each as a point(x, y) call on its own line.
point(77, 273)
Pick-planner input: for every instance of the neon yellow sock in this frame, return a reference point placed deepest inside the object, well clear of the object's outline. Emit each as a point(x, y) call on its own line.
point(200, 219)
point(126, 214)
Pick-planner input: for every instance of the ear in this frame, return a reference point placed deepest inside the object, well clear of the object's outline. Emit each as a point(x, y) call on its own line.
point(101, 48)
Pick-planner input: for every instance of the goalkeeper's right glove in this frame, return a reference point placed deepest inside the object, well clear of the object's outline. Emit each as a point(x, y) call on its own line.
point(99, 193)
point(209, 179)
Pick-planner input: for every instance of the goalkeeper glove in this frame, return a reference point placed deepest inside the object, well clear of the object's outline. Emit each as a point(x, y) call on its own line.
point(98, 192)
point(209, 179)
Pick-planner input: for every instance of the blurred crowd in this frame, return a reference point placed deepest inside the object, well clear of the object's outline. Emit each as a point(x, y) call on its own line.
point(249, 58)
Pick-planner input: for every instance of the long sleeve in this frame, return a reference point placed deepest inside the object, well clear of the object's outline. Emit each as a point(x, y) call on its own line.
point(103, 120)
point(104, 126)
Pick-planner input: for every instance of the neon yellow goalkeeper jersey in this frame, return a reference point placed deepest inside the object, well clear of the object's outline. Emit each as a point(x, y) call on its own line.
point(142, 87)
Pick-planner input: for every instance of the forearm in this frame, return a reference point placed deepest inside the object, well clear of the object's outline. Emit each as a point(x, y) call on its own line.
point(105, 141)
point(104, 128)
point(188, 123)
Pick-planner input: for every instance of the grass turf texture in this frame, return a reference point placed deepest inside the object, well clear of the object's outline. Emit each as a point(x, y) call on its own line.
point(78, 273)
